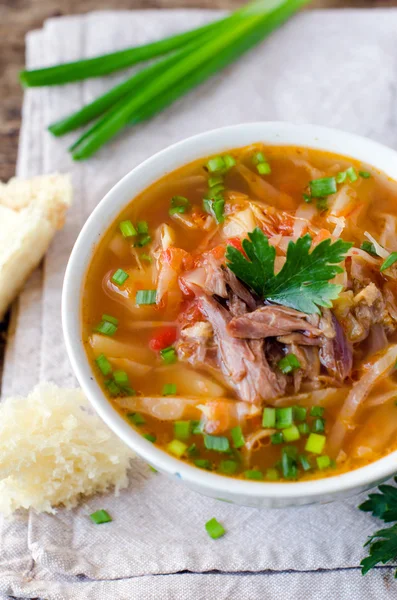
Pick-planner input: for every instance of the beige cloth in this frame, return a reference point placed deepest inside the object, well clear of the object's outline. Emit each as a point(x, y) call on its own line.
point(334, 68)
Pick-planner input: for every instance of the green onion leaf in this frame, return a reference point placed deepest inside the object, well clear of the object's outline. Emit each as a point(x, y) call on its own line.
point(305, 464)
point(258, 158)
point(104, 365)
point(229, 161)
point(318, 425)
point(323, 187)
point(169, 389)
point(304, 428)
point(193, 450)
point(145, 297)
point(112, 387)
point(253, 474)
point(228, 467)
point(277, 438)
point(150, 437)
point(100, 516)
point(197, 427)
point(299, 413)
point(179, 204)
point(323, 462)
point(215, 181)
point(182, 430)
point(177, 448)
point(284, 417)
point(142, 227)
point(127, 229)
point(317, 411)
point(144, 241)
point(119, 277)
point(121, 378)
point(390, 260)
point(237, 436)
point(169, 355)
point(315, 443)
point(203, 463)
point(272, 474)
point(288, 462)
point(216, 164)
point(136, 418)
point(369, 247)
point(216, 442)
point(214, 529)
point(291, 434)
point(351, 173)
point(341, 177)
point(106, 328)
point(263, 169)
point(269, 417)
point(110, 319)
point(215, 207)
point(288, 364)
point(364, 174)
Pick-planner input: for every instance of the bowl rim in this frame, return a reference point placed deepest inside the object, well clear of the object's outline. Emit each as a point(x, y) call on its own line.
point(372, 153)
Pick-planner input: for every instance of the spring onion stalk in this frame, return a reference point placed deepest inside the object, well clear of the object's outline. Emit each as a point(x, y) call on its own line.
point(100, 105)
point(108, 63)
point(188, 73)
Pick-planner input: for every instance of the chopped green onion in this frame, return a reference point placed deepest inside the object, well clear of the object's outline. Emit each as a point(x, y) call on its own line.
point(137, 419)
point(291, 451)
point(288, 464)
point(193, 450)
point(146, 239)
point(323, 187)
point(304, 428)
point(216, 442)
point(228, 467)
point(237, 437)
point(299, 413)
point(145, 297)
point(272, 474)
point(284, 417)
point(214, 529)
point(341, 177)
point(215, 180)
point(369, 247)
point(253, 474)
point(269, 417)
point(390, 260)
point(203, 463)
point(216, 190)
point(215, 207)
point(322, 204)
point(142, 227)
point(306, 466)
point(127, 229)
point(289, 363)
point(307, 198)
point(110, 319)
point(100, 516)
point(169, 355)
point(351, 173)
point(119, 277)
point(364, 174)
point(169, 389)
point(315, 443)
point(106, 328)
point(150, 437)
point(323, 462)
point(216, 164)
point(153, 470)
point(112, 387)
point(146, 257)
point(318, 425)
point(104, 365)
point(277, 438)
point(197, 427)
point(121, 378)
point(177, 448)
point(258, 158)
point(182, 430)
point(291, 434)
point(229, 161)
point(179, 204)
point(317, 411)
point(263, 169)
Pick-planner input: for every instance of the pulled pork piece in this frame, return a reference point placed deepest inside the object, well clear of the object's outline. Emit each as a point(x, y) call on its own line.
point(335, 353)
point(243, 363)
point(194, 345)
point(272, 321)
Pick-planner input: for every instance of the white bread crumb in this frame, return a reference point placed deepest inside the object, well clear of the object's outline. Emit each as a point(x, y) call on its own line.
point(54, 449)
point(30, 213)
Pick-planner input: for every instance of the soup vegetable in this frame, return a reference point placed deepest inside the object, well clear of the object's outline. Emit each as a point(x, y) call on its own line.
point(241, 313)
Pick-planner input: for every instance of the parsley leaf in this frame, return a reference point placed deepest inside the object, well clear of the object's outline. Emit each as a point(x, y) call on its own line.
point(383, 544)
point(302, 283)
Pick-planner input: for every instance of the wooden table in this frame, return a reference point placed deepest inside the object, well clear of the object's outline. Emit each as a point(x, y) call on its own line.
point(19, 16)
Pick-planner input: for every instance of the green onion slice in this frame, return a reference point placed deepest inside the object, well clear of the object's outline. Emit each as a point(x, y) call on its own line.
point(289, 363)
point(214, 529)
point(237, 437)
point(315, 443)
point(106, 328)
point(177, 448)
point(120, 277)
point(100, 516)
point(169, 355)
point(169, 389)
point(104, 365)
point(145, 297)
point(216, 442)
point(253, 474)
point(127, 229)
point(390, 260)
point(323, 187)
point(182, 430)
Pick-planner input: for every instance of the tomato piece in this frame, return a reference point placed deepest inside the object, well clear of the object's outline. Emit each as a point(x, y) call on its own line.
point(236, 243)
point(163, 338)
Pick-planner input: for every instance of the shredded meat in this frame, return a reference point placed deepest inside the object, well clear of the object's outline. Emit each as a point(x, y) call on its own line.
point(335, 353)
point(271, 321)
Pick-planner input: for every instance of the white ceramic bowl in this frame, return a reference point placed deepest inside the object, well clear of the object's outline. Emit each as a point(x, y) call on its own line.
point(250, 493)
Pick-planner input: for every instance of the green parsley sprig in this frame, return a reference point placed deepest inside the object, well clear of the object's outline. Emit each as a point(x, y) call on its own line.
point(302, 283)
point(383, 544)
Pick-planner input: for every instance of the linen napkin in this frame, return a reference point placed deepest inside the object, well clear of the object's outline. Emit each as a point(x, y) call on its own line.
point(336, 68)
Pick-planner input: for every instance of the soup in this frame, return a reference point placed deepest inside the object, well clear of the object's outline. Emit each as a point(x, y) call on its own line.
point(241, 314)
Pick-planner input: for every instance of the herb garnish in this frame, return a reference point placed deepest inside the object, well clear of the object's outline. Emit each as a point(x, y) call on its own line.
point(302, 283)
point(383, 544)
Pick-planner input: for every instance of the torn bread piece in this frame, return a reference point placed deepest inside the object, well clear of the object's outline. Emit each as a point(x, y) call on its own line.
point(54, 449)
point(31, 211)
